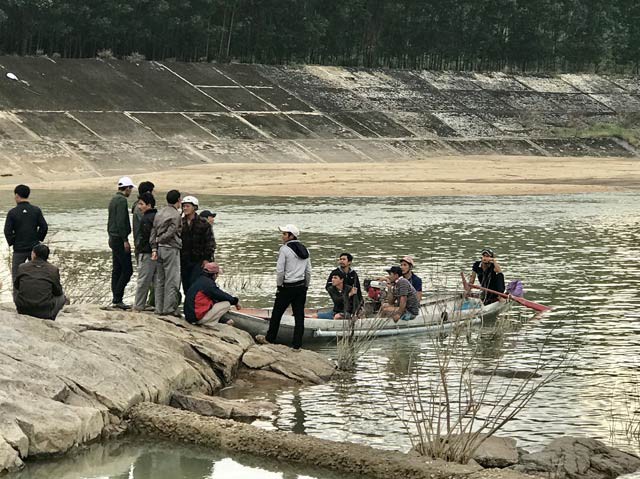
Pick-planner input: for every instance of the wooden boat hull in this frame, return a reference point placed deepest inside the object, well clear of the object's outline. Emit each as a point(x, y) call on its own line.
point(437, 314)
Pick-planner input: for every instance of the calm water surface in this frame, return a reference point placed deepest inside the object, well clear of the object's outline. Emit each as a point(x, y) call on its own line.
point(578, 253)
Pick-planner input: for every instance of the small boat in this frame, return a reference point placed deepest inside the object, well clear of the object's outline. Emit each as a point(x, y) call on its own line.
point(438, 312)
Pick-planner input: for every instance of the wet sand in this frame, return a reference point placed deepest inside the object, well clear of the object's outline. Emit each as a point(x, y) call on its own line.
point(451, 175)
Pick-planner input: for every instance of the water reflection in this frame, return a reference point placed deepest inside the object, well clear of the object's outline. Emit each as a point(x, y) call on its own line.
point(137, 458)
point(579, 253)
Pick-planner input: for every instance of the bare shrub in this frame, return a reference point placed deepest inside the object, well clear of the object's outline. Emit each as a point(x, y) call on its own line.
point(106, 54)
point(135, 57)
point(467, 394)
point(624, 416)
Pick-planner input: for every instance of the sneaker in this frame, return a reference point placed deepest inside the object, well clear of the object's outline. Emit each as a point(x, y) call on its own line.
point(121, 305)
point(296, 350)
point(149, 308)
point(261, 339)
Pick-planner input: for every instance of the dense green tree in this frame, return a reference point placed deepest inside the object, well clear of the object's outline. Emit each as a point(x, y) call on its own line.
point(539, 35)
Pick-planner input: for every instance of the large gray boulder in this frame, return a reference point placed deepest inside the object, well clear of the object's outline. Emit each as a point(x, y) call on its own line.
point(68, 382)
point(492, 451)
point(303, 366)
point(238, 409)
point(578, 458)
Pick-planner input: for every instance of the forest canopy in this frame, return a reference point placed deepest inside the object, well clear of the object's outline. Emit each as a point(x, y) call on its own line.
point(527, 35)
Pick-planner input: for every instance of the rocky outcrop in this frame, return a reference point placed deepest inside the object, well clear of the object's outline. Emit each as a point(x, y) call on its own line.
point(578, 458)
point(492, 452)
point(304, 366)
point(238, 410)
point(343, 457)
point(496, 452)
point(69, 382)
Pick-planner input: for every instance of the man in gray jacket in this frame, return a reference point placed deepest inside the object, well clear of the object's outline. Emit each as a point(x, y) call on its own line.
point(293, 271)
point(166, 241)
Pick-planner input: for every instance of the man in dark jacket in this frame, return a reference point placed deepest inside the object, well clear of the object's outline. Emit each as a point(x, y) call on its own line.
point(24, 227)
point(37, 285)
point(197, 242)
point(210, 216)
point(350, 278)
point(205, 302)
point(146, 266)
point(136, 213)
point(489, 274)
point(343, 295)
point(119, 229)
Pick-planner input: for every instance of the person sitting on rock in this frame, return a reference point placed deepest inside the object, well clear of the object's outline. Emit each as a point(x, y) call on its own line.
point(37, 286)
point(205, 302)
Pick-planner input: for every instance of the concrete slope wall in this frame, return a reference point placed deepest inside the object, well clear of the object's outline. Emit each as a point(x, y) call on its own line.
point(95, 117)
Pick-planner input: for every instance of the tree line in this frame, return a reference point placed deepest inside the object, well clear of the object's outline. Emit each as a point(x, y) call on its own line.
point(527, 35)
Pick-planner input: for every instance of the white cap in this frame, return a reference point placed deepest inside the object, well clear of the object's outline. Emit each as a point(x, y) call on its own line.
point(293, 229)
point(125, 181)
point(190, 199)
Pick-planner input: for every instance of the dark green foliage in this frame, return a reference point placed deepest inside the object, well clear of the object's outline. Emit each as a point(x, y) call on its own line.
point(534, 35)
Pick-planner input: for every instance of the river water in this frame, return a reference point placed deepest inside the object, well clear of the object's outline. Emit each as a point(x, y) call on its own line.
point(577, 253)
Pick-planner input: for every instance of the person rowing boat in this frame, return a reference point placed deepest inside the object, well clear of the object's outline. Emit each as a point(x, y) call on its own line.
point(489, 274)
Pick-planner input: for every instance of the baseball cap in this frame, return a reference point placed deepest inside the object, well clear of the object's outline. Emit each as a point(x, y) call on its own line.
point(395, 270)
point(293, 229)
point(125, 181)
point(207, 213)
point(408, 259)
point(487, 251)
point(211, 268)
point(190, 199)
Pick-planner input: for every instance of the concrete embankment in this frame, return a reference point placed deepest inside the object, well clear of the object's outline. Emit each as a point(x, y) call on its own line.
point(98, 119)
point(71, 381)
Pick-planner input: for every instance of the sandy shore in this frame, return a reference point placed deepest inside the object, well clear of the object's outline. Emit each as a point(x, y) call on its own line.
point(451, 175)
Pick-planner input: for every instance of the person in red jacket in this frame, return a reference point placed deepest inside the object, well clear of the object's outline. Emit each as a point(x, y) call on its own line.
point(205, 302)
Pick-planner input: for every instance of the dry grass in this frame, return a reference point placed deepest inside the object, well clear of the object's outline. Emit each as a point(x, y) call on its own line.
point(466, 397)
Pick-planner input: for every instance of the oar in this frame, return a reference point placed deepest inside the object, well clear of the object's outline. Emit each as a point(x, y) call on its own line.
point(524, 302)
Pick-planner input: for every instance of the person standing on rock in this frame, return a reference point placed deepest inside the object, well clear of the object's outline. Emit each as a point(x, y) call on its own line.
point(211, 218)
point(146, 266)
point(119, 229)
point(197, 242)
point(293, 276)
point(166, 242)
point(136, 213)
point(205, 302)
point(24, 227)
point(37, 286)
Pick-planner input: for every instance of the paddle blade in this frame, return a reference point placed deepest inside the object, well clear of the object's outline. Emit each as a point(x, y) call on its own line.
point(531, 304)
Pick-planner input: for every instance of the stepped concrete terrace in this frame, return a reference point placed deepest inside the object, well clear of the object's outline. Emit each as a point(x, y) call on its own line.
point(90, 118)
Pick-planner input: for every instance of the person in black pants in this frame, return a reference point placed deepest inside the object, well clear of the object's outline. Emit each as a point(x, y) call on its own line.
point(24, 228)
point(293, 271)
point(119, 229)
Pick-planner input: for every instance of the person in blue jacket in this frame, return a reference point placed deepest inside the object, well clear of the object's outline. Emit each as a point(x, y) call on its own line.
point(205, 302)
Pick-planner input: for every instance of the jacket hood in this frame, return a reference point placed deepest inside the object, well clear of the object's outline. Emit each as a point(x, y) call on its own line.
point(299, 249)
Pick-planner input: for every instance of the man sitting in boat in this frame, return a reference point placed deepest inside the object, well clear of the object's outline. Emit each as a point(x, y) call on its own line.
point(205, 302)
point(351, 277)
point(406, 264)
point(489, 274)
point(404, 299)
point(344, 296)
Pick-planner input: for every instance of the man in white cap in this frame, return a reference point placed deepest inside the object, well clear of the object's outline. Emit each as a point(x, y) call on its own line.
point(197, 242)
point(407, 264)
point(293, 271)
point(119, 229)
